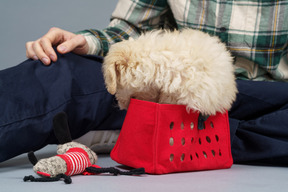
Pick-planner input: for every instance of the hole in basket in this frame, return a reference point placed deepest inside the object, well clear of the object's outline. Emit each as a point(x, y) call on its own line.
point(171, 157)
point(220, 154)
point(183, 141)
point(217, 138)
point(208, 139)
point(205, 154)
point(192, 139)
point(171, 125)
point(182, 125)
point(171, 141)
point(200, 141)
point(191, 157)
point(182, 157)
point(213, 153)
point(192, 125)
point(211, 124)
point(197, 155)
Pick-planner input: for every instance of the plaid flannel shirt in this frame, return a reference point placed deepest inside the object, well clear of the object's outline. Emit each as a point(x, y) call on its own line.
point(255, 31)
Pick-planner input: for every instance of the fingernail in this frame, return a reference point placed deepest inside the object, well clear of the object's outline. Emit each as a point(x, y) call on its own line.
point(52, 57)
point(45, 60)
point(35, 57)
point(62, 48)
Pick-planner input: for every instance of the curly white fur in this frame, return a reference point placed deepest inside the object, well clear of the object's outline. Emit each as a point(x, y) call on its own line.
point(189, 68)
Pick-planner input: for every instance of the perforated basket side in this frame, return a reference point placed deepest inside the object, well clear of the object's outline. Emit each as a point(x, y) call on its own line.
point(135, 145)
point(181, 146)
point(164, 138)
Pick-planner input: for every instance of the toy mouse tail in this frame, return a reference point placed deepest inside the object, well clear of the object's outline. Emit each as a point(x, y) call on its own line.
point(114, 171)
point(66, 178)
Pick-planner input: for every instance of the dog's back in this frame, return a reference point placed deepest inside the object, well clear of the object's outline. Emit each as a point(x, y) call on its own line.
point(188, 67)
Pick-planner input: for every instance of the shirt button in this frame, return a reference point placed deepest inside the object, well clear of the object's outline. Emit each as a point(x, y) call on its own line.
point(223, 29)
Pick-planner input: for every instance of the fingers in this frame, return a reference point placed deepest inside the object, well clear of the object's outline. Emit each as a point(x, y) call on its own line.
point(43, 48)
point(30, 52)
point(76, 44)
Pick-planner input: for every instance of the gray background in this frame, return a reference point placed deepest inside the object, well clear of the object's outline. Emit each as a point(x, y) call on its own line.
point(27, 20)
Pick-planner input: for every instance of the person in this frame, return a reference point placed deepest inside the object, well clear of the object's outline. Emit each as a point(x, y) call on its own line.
point(255, 32)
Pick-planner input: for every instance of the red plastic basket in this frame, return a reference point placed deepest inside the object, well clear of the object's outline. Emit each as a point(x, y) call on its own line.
point(164, 138)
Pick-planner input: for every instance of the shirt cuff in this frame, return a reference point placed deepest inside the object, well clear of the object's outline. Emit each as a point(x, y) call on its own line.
point(93, 43)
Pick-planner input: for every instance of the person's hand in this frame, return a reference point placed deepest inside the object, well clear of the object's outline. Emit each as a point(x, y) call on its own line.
point(64, 40)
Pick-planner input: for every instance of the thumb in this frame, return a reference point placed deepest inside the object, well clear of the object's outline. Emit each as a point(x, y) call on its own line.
point(76, 44)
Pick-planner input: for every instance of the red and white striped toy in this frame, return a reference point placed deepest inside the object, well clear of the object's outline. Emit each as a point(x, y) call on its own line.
point(72, 158)
point(76, 160)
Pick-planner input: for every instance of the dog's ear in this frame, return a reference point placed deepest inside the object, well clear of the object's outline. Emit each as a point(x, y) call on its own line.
point(115, 63)
point(109, 71)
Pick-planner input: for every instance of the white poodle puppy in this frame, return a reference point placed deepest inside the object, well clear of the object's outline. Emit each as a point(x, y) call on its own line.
point(185, 67)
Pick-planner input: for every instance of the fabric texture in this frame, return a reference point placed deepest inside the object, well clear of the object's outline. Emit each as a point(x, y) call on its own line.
point(164, 138)
point(257, 119)
point(77, 161)
point(258, 123)
point(100, 141)
point(255, 32)
point(31, 94)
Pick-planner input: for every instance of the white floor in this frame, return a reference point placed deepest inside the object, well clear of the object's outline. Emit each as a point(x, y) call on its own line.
point(240, 178)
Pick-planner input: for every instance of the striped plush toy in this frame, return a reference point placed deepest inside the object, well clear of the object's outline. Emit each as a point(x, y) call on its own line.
point(72, 158)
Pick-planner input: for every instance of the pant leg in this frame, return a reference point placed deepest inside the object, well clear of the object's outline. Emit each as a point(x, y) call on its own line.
point(259, 123)
point(31, 94)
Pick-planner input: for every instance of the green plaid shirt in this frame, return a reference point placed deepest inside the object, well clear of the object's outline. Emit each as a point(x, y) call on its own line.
point(255, 31)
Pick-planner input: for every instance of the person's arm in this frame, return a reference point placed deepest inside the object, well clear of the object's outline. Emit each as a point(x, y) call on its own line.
point(129, 19)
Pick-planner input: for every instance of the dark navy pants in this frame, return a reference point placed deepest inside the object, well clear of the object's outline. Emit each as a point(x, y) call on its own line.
point(31, 94)
point(259, 123)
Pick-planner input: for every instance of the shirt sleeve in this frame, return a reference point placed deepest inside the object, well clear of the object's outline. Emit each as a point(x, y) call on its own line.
point(129, 19)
